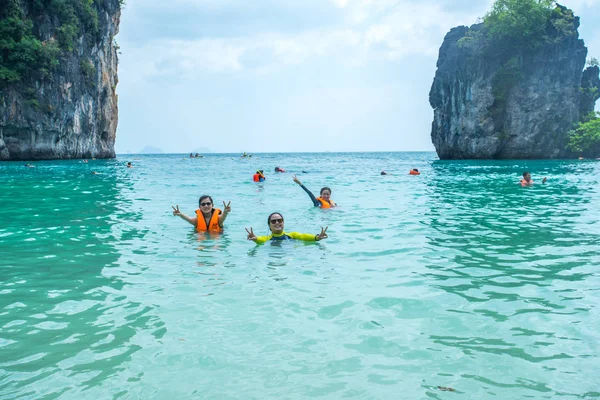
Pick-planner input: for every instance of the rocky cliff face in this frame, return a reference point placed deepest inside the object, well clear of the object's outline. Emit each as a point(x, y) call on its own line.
point(73, 112)
point(510, 106)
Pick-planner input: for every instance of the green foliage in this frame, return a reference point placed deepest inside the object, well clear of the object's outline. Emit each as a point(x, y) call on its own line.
point(23, 54)
point(585, 139)
point(88, 70)
point(518, 23)
point(33, 103)
point(505, 79)
point(593, 62)
point(470, 37)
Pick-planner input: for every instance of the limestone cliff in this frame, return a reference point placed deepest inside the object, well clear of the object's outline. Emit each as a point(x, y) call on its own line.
point(71, 112)
point(491, 105)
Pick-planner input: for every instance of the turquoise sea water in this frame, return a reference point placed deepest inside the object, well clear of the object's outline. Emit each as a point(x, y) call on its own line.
point(457, 278)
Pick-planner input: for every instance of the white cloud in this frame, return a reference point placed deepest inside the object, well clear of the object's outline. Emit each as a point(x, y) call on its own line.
point(392, 29)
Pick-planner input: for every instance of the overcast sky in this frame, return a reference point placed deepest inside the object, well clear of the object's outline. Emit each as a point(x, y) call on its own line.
point(288, 75)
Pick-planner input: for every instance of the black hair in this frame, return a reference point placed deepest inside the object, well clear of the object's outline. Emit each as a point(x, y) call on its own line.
point(205, 197)
point(525, 173)
point(324, 188)
point(270, 215)
point(416, 170)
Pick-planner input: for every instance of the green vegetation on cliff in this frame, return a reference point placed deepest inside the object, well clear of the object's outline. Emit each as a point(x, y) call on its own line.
point(585, 139)
point(517, 25)
point(24, 52)
point(514, 29)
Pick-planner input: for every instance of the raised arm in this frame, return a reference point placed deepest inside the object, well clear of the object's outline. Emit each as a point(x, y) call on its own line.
point(176, 212)
point(254, 238)
point(226, 211)
point(312, 196)
point(309, 237)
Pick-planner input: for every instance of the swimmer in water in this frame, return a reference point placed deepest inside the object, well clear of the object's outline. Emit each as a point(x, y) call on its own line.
point(129, 165)
point(277, 169)
point(527, 181)
point(414, 171)
point(323, 201)
point(275, 221)
point(207, 219)
point(259, 176)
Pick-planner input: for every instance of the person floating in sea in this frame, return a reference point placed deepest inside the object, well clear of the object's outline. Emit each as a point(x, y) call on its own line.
point(527, 181)
point(29, 166)
point(129, 165)
point(277, 169)
point(384, 173)
point(414, 171)
point(207, 219)
point(323, 201)
point(275, 222)
point(259, 176)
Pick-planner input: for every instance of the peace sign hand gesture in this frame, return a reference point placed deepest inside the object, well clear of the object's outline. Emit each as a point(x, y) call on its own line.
point(322, 235)
point(251, 235)
point(296, 180)
point(176, 211)
point(227, 207)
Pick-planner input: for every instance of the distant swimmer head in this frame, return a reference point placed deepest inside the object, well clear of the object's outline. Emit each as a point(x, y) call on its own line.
point(383, 173)
point(325, 193)
point(129, 165)
point(527, 176)
point(275, 221)
point(414, 171)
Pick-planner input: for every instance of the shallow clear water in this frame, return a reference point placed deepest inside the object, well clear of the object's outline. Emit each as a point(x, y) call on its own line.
point(456, 278)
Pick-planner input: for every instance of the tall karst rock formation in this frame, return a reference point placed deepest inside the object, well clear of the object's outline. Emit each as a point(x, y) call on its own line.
point(495, 104)
point(58, 100)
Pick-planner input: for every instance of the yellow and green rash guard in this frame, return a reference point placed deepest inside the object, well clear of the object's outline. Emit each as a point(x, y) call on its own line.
point(305, 237)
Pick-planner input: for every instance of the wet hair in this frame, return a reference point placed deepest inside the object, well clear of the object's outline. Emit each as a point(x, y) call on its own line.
point(205, 197)
point(270, 215)
point(525, 173)
point(416, 170)
point(324, 188)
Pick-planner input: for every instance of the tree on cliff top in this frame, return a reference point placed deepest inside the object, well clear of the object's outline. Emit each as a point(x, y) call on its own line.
point(520, 23)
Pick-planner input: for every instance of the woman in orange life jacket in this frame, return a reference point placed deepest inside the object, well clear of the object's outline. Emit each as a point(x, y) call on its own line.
point(323, 201)
point(414, 171)
point(527, 181)
point(207, 219)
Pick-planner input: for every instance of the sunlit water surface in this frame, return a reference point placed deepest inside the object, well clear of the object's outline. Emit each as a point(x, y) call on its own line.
point(457, 278)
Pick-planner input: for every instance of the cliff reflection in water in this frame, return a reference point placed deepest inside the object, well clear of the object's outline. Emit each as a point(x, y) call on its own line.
point(509, 257)
point(64, 318)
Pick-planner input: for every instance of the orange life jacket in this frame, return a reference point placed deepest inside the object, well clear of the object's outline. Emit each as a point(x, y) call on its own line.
point(213, 224)
point(326, 204)
point(414, 172)
point(524, 182)
point(256, 177)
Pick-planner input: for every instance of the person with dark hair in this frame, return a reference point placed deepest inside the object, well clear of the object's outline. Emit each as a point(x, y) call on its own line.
point(207, 219)
point(277, 169)
point(275, 222)
point(129, 164)
point(259, 176)
point(324, 199)
point(527, 181)
point(414, 171)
